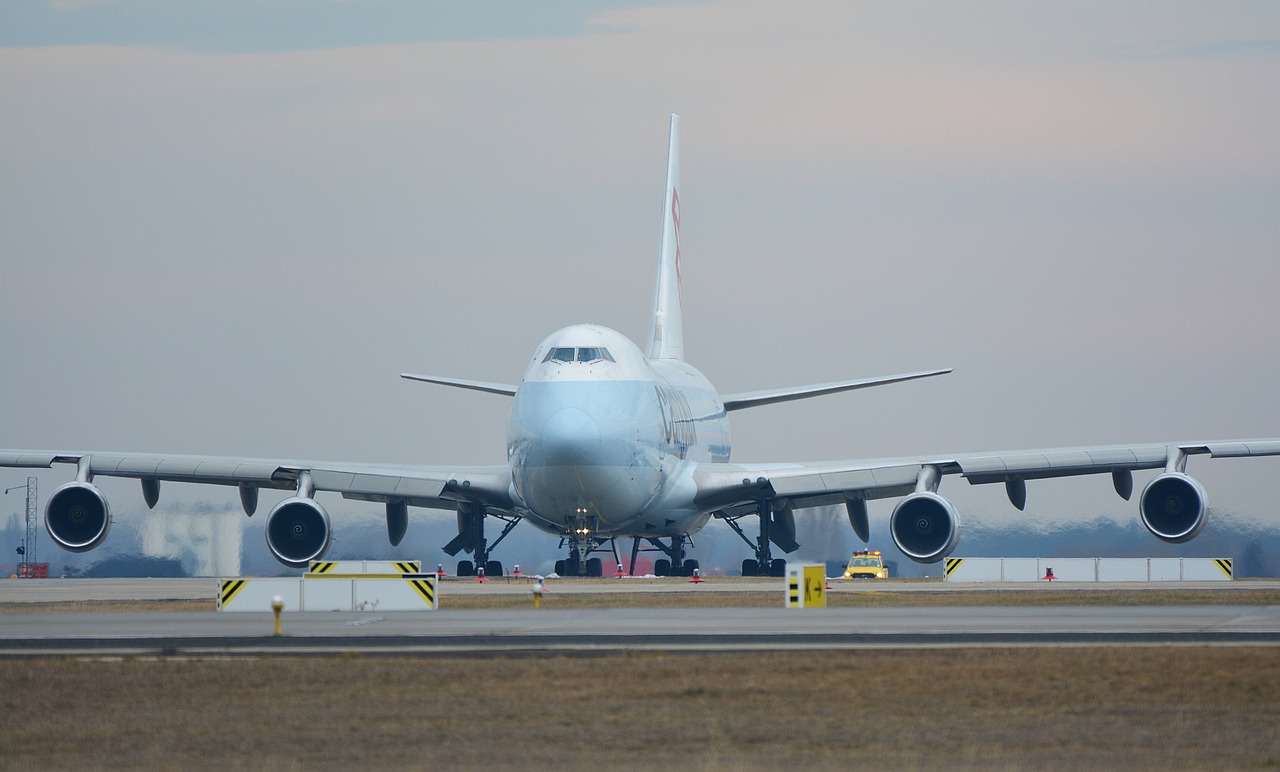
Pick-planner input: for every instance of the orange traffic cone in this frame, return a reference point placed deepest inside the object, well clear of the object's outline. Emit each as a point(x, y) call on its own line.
point(440, 574)
point(621, 573)
point(516, 572)
point(1048, 575)
point(697, 577)
point(480, 574)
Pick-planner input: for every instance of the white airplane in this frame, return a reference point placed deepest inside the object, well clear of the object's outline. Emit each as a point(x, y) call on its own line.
point(608, 440)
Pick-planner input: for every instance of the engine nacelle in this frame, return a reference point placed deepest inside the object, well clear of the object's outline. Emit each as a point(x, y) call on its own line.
point(77, 517)
point(925, 527)
point(1174, 507)
point(298, 532)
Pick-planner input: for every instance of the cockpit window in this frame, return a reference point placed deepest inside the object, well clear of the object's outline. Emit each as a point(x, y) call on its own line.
point(585, 354)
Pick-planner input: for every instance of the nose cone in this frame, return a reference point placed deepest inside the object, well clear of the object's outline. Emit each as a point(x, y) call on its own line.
point(570, 436)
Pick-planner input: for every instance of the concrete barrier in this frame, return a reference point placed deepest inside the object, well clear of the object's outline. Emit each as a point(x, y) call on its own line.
point(1089, 569)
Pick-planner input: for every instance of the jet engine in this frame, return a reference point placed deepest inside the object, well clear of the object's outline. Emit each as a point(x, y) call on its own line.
point(77, 517)
point(925, 527)
point(1174, 507)
point(298, 531)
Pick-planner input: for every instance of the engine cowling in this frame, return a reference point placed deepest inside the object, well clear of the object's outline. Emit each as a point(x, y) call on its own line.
point(925, 527)
point(77, 517)
point(1174, 507)
point(298, 531)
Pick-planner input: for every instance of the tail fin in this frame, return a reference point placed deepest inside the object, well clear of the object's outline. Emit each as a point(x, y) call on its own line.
point(666, 332)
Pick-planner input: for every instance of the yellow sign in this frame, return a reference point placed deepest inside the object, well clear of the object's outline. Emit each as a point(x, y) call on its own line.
point(806, 586)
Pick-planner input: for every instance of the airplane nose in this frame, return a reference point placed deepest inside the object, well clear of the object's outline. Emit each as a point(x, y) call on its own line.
point(570, 436)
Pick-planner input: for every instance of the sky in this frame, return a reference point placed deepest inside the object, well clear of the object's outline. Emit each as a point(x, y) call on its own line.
point(227, 226)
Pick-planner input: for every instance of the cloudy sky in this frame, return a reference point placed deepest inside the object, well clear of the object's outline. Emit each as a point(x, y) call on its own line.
point(226, 226)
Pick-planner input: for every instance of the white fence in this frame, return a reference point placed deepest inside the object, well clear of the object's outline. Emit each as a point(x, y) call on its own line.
point(1089, 569)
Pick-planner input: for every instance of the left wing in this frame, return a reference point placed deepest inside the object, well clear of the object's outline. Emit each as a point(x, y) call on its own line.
point(77, 514)
point(925, 526)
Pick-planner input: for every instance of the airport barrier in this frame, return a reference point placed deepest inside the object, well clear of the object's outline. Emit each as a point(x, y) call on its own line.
point(1089, 570)
point(354, 585)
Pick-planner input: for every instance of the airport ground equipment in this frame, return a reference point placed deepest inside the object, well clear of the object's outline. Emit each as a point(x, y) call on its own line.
point(866, 564)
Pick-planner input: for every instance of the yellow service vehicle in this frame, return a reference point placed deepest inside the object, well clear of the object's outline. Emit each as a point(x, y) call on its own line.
point(866, 564)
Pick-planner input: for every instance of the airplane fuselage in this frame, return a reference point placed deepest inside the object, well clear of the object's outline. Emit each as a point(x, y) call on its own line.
point(602, 440)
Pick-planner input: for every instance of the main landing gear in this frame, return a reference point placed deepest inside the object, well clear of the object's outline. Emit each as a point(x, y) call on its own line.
point(471, 539)
point(674, 564)
point(777, 527)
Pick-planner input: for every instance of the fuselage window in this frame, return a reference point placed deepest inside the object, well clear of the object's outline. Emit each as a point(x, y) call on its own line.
point(586, 354)
point(559, 355)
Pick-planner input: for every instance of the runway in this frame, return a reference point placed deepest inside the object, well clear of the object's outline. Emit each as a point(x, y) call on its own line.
point(476, 631)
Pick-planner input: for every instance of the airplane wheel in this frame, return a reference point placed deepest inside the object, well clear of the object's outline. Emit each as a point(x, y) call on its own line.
point(594, 567)
point(559, 568)
point(750, 567)
point(662, 567)
point(689, 567)
point(493, 568)
point(465, 568)
point(778, 567)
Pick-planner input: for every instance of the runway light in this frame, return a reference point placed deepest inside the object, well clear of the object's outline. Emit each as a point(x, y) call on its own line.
point(277, 605)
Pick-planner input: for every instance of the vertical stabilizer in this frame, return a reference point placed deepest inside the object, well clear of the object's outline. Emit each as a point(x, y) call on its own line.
point(666, 332)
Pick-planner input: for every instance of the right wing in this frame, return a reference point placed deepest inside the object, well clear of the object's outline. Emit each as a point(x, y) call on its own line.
point(78, 516)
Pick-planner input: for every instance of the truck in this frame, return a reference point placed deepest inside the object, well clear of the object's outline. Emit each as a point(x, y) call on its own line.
point(866, 564)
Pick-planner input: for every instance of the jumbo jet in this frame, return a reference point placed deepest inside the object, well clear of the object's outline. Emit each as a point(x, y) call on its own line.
point(611, 439)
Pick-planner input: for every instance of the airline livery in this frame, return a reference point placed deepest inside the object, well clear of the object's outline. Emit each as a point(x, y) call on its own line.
point(608, 439)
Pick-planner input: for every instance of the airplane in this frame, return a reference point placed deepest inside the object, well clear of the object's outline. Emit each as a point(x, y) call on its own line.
point(609, 439)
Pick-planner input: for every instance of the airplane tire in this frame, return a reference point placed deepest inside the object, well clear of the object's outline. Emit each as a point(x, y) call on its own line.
point(595, 567)
point(466, 568)
point(778, 567)
point(559, 568)
point(750, 567)
point(662, 567)
point(493, 568)
point(690, 566)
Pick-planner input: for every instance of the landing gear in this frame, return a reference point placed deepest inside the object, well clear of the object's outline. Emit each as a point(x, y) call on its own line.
point(776, 527)
point(470, 538)
point(675, 564)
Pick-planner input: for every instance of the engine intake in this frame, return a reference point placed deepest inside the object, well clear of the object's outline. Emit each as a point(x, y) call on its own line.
point(925, 527)
point(77, 517)
point(1174, 507)
point(298, 532)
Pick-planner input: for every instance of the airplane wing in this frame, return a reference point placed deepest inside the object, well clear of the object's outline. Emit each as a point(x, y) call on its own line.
point(1175, 511)
point(83, 517)
point(419, 486)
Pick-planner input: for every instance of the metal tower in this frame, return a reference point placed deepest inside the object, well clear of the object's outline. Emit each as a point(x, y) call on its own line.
point(28, 549)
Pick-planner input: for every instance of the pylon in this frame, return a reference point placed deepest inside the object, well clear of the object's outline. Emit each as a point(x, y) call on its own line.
point(1048, 575)
point(440, 574)
point(621, 573)
point(697, 577)
point(516, 571)
point(480, 574)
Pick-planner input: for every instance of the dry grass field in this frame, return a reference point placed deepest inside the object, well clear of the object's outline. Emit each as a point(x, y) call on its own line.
point(1092, 707)
point(1042, 708)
